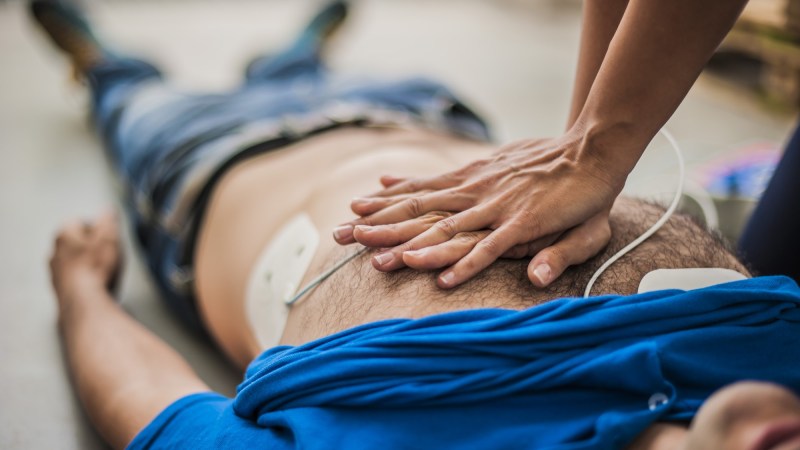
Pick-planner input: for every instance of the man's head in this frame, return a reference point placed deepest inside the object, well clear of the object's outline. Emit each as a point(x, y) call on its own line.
point(747, 416)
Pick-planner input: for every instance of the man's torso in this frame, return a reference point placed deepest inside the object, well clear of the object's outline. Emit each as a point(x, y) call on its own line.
point(319, 176)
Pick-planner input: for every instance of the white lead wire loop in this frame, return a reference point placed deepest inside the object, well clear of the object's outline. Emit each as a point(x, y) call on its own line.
point(323, 276)
point(656, 226)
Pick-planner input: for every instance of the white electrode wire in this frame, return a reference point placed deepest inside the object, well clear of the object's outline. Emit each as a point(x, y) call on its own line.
point(656, 226)
point(324, 276)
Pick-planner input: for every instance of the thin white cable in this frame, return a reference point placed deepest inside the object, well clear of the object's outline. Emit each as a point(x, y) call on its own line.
point(667, 214)
point(324, 276)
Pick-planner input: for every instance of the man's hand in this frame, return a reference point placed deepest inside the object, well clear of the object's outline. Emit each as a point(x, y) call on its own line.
point(85, 253)
point(123, 373)
point(547, 198)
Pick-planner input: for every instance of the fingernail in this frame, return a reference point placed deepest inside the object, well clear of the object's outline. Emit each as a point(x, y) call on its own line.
point(384, 258)
point(343, 232)
point(363, 228)
point(542, 272)
point(447, 278)
point(415, 253)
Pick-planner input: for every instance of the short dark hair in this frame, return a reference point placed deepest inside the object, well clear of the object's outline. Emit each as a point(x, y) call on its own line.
point(683, 242)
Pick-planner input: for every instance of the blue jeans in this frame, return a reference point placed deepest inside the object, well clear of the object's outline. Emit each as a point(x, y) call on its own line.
point(170, 146)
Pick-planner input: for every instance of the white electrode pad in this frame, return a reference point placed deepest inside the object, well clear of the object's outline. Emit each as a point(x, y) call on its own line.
point(687, 279)
point(276, 277)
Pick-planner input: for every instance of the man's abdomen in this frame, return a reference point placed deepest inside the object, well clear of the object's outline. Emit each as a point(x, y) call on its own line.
point(318, 177)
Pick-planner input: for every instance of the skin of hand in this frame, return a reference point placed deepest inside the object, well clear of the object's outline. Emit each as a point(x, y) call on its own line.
point(123, 374)
point(85, 255)
point(546, 198)
point(638, 60)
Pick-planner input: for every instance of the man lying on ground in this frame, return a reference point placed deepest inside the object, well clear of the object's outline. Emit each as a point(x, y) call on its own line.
point(227, 192)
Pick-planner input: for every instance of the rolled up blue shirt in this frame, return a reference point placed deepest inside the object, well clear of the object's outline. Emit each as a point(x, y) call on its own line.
point(570, 374)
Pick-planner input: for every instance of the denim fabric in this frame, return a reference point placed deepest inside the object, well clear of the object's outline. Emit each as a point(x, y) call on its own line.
point(169, 146)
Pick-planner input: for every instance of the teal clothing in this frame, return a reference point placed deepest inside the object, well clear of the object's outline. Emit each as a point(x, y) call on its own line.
point(570, 374)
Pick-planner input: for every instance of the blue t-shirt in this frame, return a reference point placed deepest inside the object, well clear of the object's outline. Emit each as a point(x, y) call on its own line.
point(570, 374)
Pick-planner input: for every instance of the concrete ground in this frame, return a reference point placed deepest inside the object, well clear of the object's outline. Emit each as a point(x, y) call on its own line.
point(514, 62)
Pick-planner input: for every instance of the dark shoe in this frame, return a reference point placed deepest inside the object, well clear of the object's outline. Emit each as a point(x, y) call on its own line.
point(307, 47)
point(69, 30)
point(326, 22)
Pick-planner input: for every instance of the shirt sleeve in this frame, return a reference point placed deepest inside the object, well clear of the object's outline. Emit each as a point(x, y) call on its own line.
point(204, 420)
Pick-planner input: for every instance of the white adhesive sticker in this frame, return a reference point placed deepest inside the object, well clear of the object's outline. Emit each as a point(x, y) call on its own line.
point(687, 279)
point(278, 271)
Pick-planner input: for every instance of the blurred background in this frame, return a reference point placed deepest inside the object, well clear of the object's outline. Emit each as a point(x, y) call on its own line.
point(513, 60)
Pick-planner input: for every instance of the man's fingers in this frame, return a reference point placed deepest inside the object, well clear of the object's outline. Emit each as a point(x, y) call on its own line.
point(73, 231)
point(106, 232)
point(396, 233)
point(444, 254)
point(484, 253)
point(106, 226)
point(109, 252)
point(575, 247)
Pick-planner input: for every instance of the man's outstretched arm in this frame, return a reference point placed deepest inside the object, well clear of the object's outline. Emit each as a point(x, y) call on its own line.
point(124, 375)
